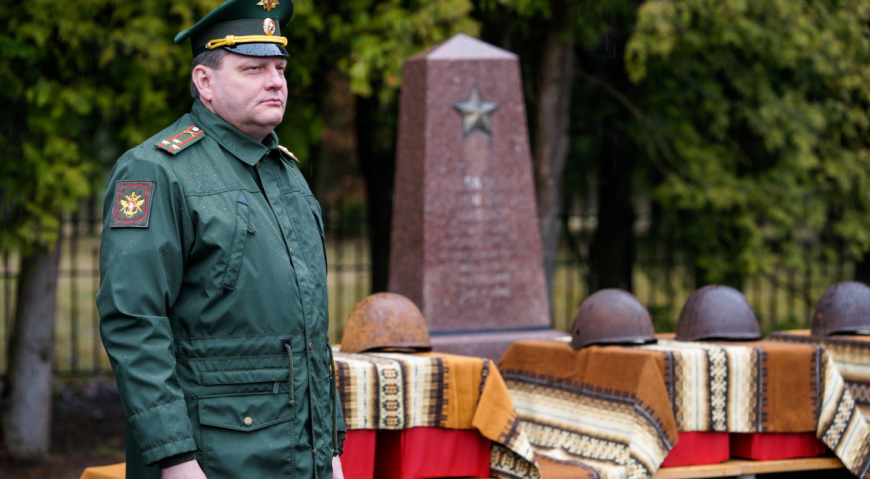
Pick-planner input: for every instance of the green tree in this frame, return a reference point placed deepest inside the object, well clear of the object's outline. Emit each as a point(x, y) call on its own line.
point(552, 105)
point(542, 33)
point(86, 80)
point(763, 112)
point(609, 141)
point(82, 82)
point(582, 120)
point(742, 125)
point(357, 49)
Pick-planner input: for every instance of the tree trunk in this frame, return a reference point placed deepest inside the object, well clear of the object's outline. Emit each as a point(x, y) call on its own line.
point(378, 167)
point(612, 250)
point(551, 138)
point(26, 405)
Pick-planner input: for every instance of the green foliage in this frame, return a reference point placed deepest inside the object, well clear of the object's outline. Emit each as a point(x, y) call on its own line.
point(83, 81)
point(747, 121)
point(382, 35)
point(764, 109)
point(86, 80)
point(366, 40)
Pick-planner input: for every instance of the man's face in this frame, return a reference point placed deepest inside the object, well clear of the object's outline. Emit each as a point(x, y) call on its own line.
point(250, 93)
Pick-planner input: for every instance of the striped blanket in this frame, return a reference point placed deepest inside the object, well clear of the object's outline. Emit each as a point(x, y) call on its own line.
point(399, 391)
point(750, 387)
point(850, 354)
point(614, 412)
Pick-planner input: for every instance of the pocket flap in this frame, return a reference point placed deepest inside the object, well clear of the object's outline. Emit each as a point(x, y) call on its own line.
point(244, 412)
point(244, 376)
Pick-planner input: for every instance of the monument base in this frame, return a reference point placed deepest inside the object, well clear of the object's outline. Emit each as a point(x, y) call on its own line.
point(487, 344)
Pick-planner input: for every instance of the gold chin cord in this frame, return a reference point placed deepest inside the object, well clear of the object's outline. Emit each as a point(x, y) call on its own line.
point(231, 40)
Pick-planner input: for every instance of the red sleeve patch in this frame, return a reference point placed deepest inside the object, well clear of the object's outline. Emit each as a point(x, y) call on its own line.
point(132, 205)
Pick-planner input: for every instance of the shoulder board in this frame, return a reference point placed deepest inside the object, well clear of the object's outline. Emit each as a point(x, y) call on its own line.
point(182, 140)
point(288, 153)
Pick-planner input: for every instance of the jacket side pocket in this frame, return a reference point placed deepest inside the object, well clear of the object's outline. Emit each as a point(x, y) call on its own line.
point(247, 434)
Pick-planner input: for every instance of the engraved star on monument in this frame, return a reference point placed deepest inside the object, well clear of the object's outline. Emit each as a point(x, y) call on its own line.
point(476, 113)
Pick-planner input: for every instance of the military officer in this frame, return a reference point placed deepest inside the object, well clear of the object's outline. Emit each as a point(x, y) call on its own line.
point(212, 299)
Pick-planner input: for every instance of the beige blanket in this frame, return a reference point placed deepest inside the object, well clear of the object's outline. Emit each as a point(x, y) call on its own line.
point(615, 411)
point(399, 391)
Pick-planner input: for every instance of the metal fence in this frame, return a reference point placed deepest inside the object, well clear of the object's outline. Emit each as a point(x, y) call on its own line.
point(781, 300)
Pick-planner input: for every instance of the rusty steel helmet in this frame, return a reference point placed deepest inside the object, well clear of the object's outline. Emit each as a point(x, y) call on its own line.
point(716, 311)
point(611, 316)
point(385, 322)
point(843, 308)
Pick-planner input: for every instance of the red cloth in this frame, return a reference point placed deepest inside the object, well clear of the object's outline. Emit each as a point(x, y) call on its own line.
point(358, 459)
point(768, 446)
point(421, 452)
point(698, 447)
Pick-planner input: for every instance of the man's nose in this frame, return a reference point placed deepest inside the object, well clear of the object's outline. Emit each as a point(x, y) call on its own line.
point(274, 77)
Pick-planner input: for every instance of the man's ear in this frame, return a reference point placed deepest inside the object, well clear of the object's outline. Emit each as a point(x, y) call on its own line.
point(203, 77)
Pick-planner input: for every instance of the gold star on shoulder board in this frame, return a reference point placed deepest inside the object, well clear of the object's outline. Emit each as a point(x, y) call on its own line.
point(269, 4)
point(289, 153)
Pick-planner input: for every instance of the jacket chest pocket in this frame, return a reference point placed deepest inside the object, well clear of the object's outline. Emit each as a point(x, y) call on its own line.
point(246, 435)
point(241, 231)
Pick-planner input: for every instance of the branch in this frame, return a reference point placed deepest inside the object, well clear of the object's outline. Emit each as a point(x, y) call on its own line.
point(643, 120)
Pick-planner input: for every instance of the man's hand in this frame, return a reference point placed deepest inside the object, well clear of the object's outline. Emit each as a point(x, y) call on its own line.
point(185, 470)
point(337, 473)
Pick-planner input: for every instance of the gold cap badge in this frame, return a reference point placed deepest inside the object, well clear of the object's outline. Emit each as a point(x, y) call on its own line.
point(269, 4)
point(269, 27)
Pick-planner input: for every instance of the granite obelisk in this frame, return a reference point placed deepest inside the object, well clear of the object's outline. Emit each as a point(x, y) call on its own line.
point(465, 243)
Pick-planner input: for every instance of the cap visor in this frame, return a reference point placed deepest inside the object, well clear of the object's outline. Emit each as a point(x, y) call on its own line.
point(259, 49)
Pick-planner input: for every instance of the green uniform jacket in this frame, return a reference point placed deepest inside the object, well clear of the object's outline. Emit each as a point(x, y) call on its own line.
point(212, 263)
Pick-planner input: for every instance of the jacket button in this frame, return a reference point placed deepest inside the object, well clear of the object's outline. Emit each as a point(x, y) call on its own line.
point(311, 346)
point(248, 421)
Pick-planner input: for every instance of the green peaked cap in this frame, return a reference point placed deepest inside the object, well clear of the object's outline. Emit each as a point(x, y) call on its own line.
point(247, 27)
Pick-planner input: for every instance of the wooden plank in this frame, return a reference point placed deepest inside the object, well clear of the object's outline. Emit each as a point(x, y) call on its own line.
point(727, 468)
point(736, 467)
point(114, 471)
point(789, 465)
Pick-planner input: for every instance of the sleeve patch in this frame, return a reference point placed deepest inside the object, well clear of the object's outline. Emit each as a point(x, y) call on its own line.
point(132, 205)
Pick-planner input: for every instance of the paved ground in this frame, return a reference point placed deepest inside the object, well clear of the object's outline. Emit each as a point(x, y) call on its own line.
point(88, 430)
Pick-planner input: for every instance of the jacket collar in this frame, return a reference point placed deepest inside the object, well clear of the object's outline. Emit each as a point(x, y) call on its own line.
point(231, 138)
